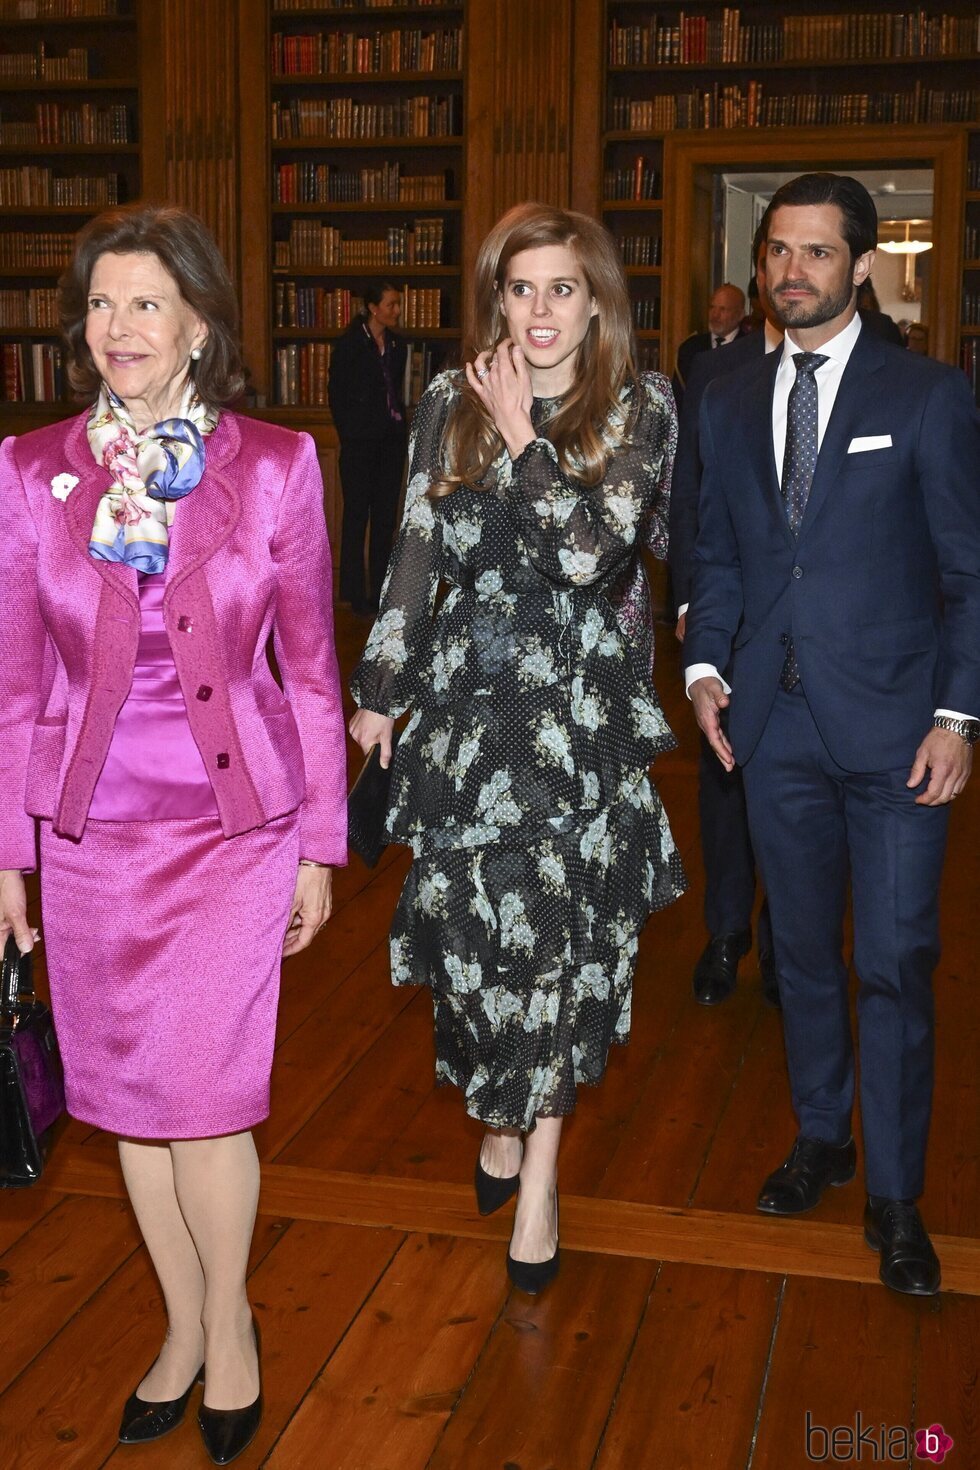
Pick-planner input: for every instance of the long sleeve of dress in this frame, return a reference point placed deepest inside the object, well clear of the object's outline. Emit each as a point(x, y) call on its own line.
point(386, 679)
point(579, 535)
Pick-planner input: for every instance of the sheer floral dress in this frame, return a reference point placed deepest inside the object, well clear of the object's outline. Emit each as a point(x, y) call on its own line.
point(520, 781)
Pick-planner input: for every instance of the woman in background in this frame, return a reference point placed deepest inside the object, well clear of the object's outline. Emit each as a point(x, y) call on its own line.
point(152, 544)
point(367, 372)
point(521, 779)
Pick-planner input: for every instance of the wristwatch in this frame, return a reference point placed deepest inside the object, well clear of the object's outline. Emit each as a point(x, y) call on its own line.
point(968, 730)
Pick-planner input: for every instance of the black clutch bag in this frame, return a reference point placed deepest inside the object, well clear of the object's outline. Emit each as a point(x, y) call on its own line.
point(32, 1087)
point(367, 807)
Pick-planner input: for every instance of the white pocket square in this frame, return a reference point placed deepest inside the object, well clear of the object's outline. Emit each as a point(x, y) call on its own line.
point(870, 441)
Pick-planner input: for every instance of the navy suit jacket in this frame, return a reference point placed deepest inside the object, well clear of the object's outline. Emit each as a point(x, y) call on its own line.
point(881, 590)
point(688, 353)
point(686, 480)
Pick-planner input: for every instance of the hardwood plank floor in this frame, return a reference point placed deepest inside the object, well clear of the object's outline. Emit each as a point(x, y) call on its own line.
point(684, 1330)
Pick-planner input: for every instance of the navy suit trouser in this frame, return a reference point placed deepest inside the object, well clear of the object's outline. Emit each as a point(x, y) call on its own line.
point(726, 850)
point(813, 823)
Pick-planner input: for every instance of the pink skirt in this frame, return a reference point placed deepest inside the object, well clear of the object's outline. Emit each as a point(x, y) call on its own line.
point(163, 942)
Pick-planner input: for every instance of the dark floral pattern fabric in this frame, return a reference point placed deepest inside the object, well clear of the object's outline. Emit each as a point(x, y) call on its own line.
point(520, 780)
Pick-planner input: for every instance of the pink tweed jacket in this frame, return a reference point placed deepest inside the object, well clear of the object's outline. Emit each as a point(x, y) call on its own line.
point(248, 555)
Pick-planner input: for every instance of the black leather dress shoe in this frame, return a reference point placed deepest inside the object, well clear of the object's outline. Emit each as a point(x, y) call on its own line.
point(767, 974)
point(226, 1432)
point(146, 1419)
point(799, 1183)
point(894, 1228)
point(717, 969)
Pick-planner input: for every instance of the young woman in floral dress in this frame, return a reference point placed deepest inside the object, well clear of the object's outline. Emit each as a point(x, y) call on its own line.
point(520, 781)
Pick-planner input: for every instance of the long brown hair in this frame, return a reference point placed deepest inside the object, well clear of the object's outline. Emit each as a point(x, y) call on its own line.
point(590, 423)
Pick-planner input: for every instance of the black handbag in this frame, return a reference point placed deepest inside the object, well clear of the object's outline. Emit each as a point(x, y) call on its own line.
point(367, 807)
point(32, 1085)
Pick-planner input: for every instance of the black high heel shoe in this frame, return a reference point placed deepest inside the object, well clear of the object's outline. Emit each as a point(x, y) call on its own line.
point(226, 1432)
point(492, 1192)
point(534, 1276)
point(146, 1419)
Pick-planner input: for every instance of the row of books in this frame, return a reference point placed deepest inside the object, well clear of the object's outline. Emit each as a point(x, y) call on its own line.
point(33, 372)
point(359, 4)
point(647, 357)
point(646, 313)
point(35, 307)
point(640, 249)
point(734, 106)
point(311, 244)
point(37, 65)
point(971, 245)
point(345, 117)
point(325, 183)
point(971, 308)
point(331, 308)
point(347, 52)
point(723, 39)
point(973, 173)
point(53, 123)
point(32, 185)
point(302, 372)
point(325, 307)
point(640, 180)
point(56, 9)
point(970, 363)
point(23, 249)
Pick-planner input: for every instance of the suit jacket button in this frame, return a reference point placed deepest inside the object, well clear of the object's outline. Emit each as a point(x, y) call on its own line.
point(184, 625)
point(205, 692)
point(797, 573)
point(222, 760)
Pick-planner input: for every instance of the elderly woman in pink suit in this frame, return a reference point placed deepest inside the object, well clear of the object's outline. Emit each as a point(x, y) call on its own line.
point(190, 806)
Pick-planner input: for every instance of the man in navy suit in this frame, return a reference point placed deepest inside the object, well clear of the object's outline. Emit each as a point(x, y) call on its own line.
point(726, 848)
point(837, 567)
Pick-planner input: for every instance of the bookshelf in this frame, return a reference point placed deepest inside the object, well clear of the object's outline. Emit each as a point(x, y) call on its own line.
point(787, 74)
point(366, 175)
point(69, 146)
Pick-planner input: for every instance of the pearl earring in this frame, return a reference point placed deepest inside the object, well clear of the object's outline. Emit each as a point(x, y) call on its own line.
point(195, 354)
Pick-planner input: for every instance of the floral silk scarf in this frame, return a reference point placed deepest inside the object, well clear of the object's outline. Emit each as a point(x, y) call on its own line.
point(150, 472)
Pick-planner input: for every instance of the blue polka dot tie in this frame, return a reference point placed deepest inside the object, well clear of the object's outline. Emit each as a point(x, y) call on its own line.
point(799, 463)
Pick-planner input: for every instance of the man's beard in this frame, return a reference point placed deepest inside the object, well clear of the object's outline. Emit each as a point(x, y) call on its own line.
point(813, 313)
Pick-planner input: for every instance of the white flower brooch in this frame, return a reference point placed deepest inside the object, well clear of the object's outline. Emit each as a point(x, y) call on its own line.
point(63, 485)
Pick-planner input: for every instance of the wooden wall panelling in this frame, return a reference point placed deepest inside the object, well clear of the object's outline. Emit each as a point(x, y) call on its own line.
point(519, 110)
point(190, 56)
point(588, 51)
point(255, 191)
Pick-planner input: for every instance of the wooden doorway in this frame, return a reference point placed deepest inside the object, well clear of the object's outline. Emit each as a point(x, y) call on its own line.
point(691, 160)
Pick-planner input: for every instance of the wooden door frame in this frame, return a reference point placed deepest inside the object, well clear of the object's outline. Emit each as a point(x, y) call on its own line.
point(688, 155)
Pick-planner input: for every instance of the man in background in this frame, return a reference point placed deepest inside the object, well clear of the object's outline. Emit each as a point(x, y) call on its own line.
point(726, 848)
point(725, 312)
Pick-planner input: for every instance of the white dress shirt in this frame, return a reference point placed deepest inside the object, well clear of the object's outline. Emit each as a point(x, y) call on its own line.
point(828, 378)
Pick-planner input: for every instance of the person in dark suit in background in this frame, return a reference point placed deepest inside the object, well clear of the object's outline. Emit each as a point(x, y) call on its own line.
point(838, 555)
point(365, 392)
point(726, 848)
point(725, 312)
point(874, 319)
